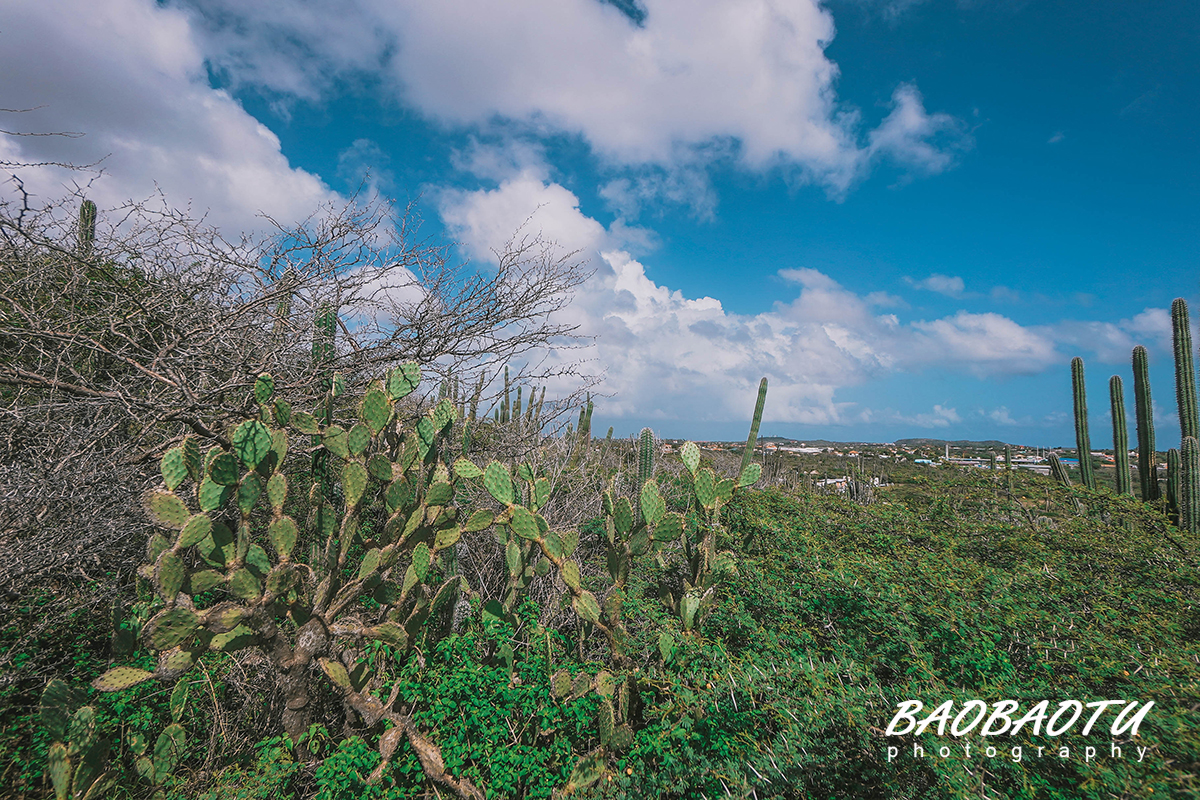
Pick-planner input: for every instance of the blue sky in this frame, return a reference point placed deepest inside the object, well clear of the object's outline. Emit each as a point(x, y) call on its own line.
point(909, 215)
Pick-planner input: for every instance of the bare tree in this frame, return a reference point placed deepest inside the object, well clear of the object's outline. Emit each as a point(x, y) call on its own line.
point(157, 328)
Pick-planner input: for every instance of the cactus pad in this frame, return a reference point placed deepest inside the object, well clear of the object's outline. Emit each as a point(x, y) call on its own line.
point(421, 558)
point(498, 483)
point(440, 494)
point(169, 575)
point(479, 520)
point(244, 586)
point(380, 468)
point(336, 441)
point(587, 771)
point(171, 627)
point(512, 557)
point(607, 720)
point(173, 468)
point(306, 423)
point(358, 438)
point(653, 506)
point(167, 509)
point(524, 524)
point(585, 606)
point(354, 483)
point(213, 495)
point(403, 380)
point(336, 672)
point(464, 468)
point(690, 454)
point(195, 530)
point(224, 469)
point(57, 701)
point(560, 684)
point(249, 490)
point(277, 492)
point(750, 474)
point(570, 575)
point(119, 678)
point(376, 410)
point(204, 580)
point(251, 442)
point(623, 516)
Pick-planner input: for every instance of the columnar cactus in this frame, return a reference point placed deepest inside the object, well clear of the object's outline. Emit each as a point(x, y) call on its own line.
point(992, 460)
point(1008, 458)
point(1189, 485)
point(1083, 443)
point(645, 456)
point(752, 439)
point(1147, 456)
point(1174, 489)
point(87, 227)
point(1124, 484)
point(1185, 369)
point(1058, 471)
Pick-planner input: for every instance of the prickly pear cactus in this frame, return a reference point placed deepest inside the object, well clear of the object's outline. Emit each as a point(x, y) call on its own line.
point(235, 565)
point(77, 765)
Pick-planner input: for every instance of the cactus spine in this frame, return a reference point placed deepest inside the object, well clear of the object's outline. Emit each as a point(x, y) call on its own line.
point(1120, 436)
point(87, 227)
point(752, 439)
point(1185, 369)
point(1147, 456)
point(1082, 442)
point(1189, 486)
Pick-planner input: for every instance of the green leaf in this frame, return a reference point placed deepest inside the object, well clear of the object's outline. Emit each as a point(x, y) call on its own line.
point(277, 491)
point(691, 456)
point(623, 516)
point(380, 468)
point(439, 494)
point(256, 558)
point(283, 412)
point(653, 506)
point(204, 580)
point(512, 556)
point(705, 489)
point(570, 574)
point(251, 441)
point(669, 528)
point(444, 414)
point(249, 490)
point(190, 449)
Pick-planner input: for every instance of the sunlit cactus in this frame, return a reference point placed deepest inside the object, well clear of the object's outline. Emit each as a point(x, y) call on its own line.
point(1083, 443)
point(1189, 485)
point(1124, 484)
point(1147, 456)
point(1185, 369)
point(752, 439)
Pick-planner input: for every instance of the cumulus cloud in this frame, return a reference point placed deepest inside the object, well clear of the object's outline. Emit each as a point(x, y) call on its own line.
point(135, 84)
point(692, 82)
point(672, 356)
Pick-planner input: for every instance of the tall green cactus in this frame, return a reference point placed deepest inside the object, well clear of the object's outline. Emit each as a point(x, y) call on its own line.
point(1008, 463)
point(1189, 485)
point(1124, 484)
point(752, 439)
point(1173, 484)
point(1185, 369)
point(645, 457)
point(87, 227)
point(1083, 443)
point(505, 407)
point(1058, 471)
point(1147, 455)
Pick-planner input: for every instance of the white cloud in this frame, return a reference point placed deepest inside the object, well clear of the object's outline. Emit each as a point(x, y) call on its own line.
point(696, 81)
point(671, 356)
point(130, 75)
point(949, 285)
